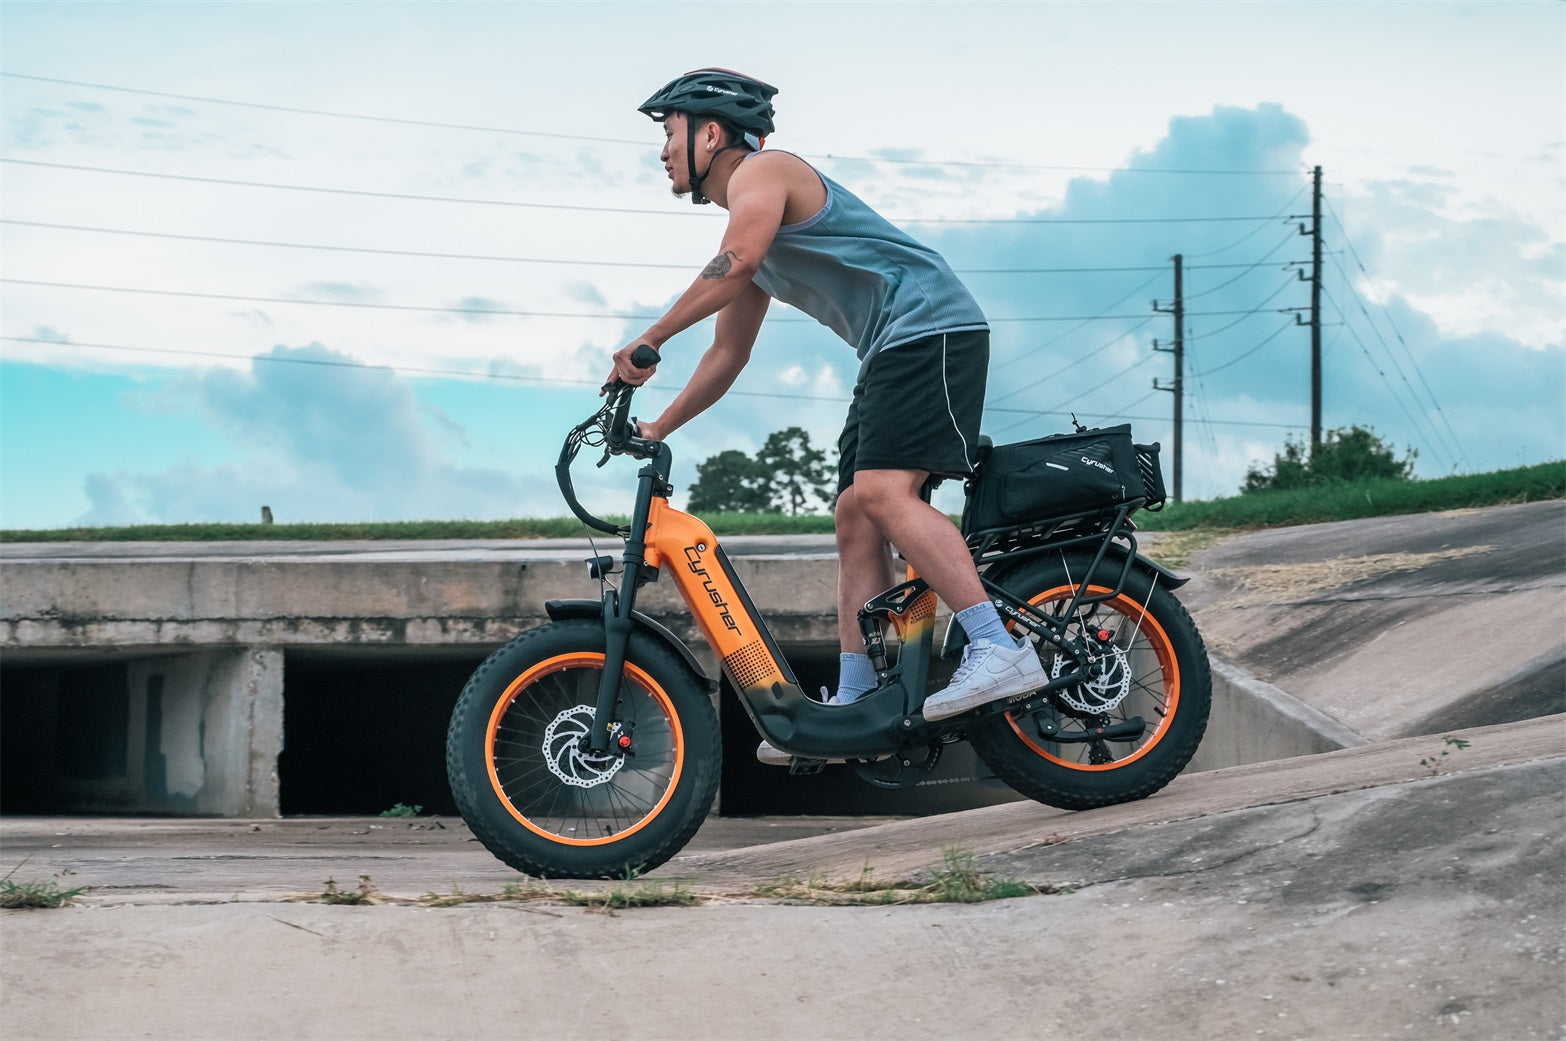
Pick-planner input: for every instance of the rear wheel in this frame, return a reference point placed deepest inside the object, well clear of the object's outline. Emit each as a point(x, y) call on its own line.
point(541, 803)
point(1084, 749)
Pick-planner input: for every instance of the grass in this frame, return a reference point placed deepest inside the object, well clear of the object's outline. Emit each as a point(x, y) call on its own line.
point(403, 810)
point(1269, 509)
point(44, 895)
point(628, 895)
point(366, 893)
point(956, 881)
point(1352, 500)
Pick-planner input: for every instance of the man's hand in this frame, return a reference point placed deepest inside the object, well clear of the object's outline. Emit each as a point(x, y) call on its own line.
point(625, 371)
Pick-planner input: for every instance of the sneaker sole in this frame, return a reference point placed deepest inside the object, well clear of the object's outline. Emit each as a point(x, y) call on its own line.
point(956, 707)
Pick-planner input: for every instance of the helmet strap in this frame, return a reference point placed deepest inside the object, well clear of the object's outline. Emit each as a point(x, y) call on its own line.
point(697, 197)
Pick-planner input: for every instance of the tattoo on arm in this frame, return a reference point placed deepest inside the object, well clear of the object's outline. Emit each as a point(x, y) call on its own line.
point(719, 266)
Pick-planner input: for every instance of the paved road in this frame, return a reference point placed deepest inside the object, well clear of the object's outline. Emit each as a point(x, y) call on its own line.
point(1359, 894)
point(1412, 887)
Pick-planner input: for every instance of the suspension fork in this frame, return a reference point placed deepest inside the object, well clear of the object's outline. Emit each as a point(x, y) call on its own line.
point(618, 607)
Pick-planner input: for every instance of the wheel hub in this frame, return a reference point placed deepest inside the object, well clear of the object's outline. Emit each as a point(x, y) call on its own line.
point(565, 756)
point(1108, 682)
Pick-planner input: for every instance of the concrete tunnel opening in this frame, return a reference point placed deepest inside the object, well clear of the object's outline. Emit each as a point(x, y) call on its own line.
point(362, 731)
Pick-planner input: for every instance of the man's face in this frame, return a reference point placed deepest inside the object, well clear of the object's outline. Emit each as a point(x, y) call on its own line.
point(675, 143)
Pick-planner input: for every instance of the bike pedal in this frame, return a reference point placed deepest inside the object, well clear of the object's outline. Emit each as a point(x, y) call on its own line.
point(801, 767)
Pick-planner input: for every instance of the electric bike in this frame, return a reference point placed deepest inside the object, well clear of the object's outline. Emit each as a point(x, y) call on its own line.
point(589, 746)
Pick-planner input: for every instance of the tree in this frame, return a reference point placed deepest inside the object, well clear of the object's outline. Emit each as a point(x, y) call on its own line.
point(787, 474)
point(796, 472)
point(1354, 454)
point(730, 482)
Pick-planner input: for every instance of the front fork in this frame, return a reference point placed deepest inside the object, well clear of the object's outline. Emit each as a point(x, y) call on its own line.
point(618, 625)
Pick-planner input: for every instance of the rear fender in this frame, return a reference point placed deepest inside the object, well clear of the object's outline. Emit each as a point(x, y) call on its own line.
point(564, 610)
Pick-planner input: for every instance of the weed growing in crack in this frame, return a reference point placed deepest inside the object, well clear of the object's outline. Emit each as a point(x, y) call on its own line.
point(364, 894)
point(1433, 763)
point(45, 894)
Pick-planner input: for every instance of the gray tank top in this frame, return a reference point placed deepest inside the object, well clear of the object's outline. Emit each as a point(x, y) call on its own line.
point(854, 272)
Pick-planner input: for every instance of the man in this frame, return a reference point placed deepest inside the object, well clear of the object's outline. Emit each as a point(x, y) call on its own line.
point(923, 346)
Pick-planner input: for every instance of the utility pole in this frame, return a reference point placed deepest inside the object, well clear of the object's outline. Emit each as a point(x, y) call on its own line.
point(1315, 308)
point(1177, 385)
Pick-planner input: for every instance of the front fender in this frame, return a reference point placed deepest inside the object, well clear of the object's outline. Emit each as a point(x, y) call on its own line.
point(562, 610)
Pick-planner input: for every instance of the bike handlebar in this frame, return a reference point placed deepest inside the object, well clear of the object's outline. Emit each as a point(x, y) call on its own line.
point(611, 426)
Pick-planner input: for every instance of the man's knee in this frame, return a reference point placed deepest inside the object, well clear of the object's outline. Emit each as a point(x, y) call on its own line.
point(880, 495)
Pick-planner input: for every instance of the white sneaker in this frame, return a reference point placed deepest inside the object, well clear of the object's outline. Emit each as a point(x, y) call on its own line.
point(989, 672)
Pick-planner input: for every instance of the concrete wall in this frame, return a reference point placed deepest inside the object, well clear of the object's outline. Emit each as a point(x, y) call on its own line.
point(157, 684)
point(1256, 722)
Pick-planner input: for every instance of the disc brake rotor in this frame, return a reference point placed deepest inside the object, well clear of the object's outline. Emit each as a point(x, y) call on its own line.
point(563, 750)
point(1107, 685)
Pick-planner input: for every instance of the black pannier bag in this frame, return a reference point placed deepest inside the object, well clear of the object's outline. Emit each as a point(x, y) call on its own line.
point(1059, 476)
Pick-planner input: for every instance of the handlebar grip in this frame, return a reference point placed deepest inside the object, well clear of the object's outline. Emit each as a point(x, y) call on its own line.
point(645, 356)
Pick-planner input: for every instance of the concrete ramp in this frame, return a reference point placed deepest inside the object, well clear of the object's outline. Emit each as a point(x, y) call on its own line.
point(1396, 626)
point(1407, 889)
point(904, 848)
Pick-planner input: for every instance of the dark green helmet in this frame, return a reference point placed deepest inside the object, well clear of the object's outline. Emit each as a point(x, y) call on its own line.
point(739, 100)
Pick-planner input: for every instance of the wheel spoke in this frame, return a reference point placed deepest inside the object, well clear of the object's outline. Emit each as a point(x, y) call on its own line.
point(560, 790)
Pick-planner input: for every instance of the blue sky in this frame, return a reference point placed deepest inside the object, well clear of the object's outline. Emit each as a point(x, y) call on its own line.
point(223, 292)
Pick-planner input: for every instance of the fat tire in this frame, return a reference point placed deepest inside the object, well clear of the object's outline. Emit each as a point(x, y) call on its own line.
point(1025, 763)
point(486, 702)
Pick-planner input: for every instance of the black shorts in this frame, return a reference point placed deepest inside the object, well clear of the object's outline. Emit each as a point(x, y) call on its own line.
point(917, 406)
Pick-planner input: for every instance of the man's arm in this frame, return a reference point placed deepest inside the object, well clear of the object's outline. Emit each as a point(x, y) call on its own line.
point(757, 195)
point(737, 326)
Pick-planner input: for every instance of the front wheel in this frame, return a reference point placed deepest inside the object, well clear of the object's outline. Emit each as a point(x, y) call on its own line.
point(1150, 667)
point(537, 800)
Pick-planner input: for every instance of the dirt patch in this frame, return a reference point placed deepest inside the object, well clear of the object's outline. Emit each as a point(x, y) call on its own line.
point(1266, 584)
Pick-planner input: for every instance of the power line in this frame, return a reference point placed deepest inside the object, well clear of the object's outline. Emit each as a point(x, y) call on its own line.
point(1109, 307)
point(986, 164)
point(1258, 309)
point(1250, 234)
point(404, 369)
point(415, 197)
point(1387, 314)
point(1414, 423)
point(365, 193)
point(485, 311)
point(1079, 360)
point(1248, 269)
point(320, 112)
point(1290, 324)
point(1055, 409)
point(490, 258)
point(1030, 412)
point(511, 377)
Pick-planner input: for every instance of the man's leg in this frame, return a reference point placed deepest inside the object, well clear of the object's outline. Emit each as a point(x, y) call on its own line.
point(864, 568)
point(995, 666)
point(889, 500)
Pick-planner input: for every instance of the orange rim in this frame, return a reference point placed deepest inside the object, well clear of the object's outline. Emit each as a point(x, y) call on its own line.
point(561, 663)
point(1158, 643)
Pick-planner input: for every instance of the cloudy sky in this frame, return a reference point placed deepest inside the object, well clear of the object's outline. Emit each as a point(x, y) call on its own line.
point(367, 261)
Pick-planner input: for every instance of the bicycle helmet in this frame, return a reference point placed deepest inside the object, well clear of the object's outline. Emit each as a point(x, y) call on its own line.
point(737, 100)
